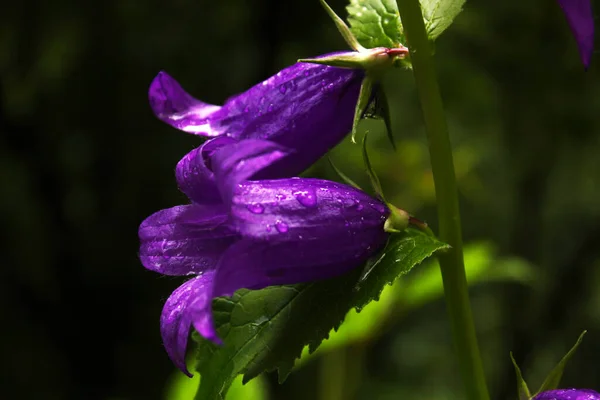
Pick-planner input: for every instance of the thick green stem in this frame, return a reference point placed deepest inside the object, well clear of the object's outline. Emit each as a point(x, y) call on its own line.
point(451, 263)
point(332, 382)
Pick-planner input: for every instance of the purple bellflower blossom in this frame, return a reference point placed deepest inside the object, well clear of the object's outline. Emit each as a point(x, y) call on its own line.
point(240, 233)
point(580, 19)
point(307, 107)
point(568, 394)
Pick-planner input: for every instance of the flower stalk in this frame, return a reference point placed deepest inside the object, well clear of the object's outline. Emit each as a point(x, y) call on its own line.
point(442, 165)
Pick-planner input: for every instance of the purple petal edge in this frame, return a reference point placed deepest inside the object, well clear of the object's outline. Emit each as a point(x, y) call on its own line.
point(194, 174)
point(568, 394)
point(185, 240)
point(185, 303)
point(580, 19)
point(174, 106)
point(235, 163)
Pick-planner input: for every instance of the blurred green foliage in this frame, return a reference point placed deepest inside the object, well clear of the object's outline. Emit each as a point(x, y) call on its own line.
point(83, 162)
point(183, 388)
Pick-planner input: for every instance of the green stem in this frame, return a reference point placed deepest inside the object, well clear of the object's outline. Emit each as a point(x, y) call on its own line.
point(442, 165)
point(333, 375)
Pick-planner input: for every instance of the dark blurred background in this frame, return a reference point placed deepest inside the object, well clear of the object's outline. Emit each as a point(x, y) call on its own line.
point(83, 162)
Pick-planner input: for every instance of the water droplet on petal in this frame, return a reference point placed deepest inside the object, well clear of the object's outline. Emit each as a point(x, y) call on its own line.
point(308, 198)
point(270, 108)
point(281, 227)
point(247, 109)
point(359, 207)
point(268, 228)
point(282, 89)
point(255, 208)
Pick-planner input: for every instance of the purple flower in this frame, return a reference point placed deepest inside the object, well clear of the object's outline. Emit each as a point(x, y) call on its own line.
point(305, 107)
point(580, 19)
point(241, 233)
point(568, 394)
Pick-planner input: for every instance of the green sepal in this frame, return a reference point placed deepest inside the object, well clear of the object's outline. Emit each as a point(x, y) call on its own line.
point(343, 176)
point(553, 379)
point(351, 59)
point(383, 110)
point(375, 183)
point(342, 28)
point(397, 221)
point(522, 389)
point(361, 105)
point(375, 61)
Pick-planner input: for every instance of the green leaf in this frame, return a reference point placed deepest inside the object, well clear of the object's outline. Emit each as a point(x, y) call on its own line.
point(267, 329)
point(522, 388)
point(439, 14)
point(553, 379)
point(375, 23)
point(423, 285)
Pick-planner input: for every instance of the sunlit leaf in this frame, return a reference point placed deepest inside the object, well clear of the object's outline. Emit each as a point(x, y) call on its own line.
point(376, 23)
point(439, 14)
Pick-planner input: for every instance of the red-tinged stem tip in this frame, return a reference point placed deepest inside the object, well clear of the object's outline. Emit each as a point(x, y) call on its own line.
point(397, 51)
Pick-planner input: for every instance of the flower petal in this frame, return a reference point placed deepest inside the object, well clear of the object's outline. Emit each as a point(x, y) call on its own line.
point(185, 240)
point(255, 265)
point(568, 394)
point(194, 175)
point(305, 107)
point(235, 163)
point(308, 209)
point(580, 19)
point(176, 318)
point(171, 104)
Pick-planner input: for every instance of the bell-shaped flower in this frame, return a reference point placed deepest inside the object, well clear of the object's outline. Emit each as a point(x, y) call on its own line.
point(241, 233)
point(305, 107)
point(308, 107)
point(568, 394)
point(581, 21)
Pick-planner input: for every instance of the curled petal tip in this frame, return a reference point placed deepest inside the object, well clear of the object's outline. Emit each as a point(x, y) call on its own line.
point(174, 106)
